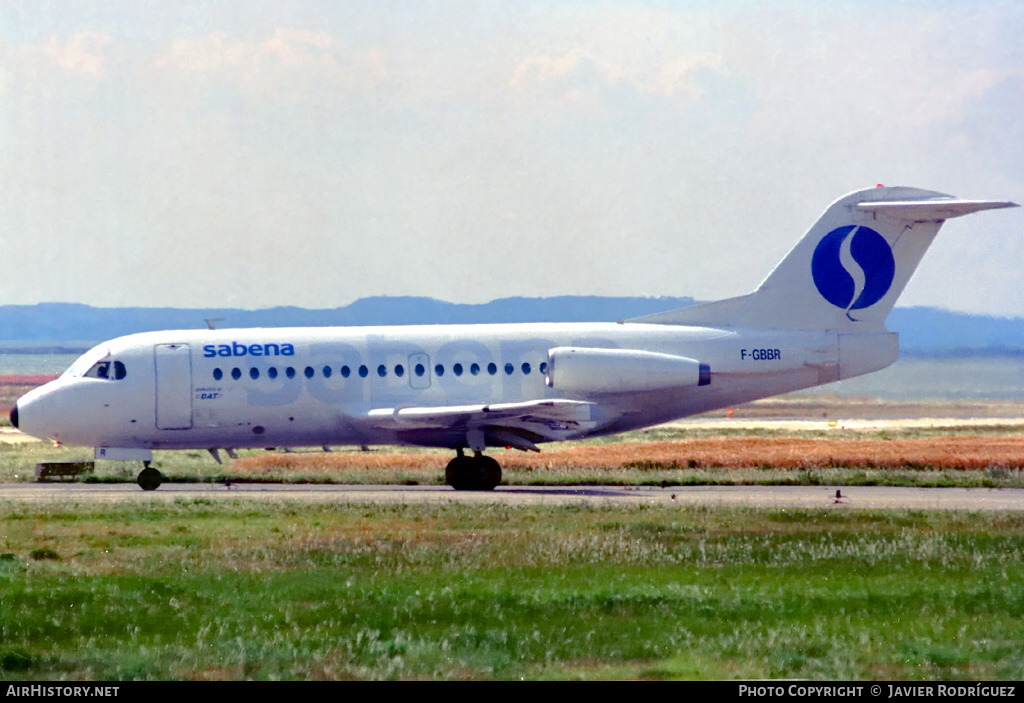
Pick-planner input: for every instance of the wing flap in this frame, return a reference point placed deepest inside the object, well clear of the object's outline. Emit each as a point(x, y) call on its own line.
point(493, 414)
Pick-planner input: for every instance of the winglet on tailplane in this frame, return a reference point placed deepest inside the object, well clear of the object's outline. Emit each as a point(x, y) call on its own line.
point(847, 271)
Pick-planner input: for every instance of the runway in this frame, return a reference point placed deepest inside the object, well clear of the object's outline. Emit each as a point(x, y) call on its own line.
point(764, 497)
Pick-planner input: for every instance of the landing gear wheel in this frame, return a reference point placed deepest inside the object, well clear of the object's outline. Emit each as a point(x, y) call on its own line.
point(457, 473)
point(149, 479)
point(472, 473)
point(489, 473)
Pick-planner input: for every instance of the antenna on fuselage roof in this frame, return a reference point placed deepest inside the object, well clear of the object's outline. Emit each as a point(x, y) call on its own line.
point(211, 322)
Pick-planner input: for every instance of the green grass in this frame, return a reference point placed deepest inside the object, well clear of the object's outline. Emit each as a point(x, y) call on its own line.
point(196, 589)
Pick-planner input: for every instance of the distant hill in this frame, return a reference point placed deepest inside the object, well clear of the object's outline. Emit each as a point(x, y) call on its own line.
point(923, 331)
point(933, 332)
point(60, 322)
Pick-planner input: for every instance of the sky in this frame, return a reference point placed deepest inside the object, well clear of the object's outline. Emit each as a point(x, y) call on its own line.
point(240, 153)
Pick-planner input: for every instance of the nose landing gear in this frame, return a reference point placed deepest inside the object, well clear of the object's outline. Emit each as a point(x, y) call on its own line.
point(472, 473)
point(149, 479)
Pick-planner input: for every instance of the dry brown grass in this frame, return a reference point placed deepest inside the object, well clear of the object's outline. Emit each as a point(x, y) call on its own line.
point(970, 453)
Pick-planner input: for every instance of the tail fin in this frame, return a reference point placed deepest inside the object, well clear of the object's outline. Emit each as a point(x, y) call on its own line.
point(847, 271)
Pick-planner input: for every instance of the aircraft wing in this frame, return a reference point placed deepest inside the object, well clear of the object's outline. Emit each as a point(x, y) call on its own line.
point(514, 424)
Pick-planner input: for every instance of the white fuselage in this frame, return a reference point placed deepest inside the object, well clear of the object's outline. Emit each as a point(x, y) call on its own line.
point(340, 386)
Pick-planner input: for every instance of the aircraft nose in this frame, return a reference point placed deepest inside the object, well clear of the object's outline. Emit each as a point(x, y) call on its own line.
point(41, 412)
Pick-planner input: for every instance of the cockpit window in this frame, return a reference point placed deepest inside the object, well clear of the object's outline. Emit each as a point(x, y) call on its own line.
point(110, 370)
point(86, 362)
point(101, 369)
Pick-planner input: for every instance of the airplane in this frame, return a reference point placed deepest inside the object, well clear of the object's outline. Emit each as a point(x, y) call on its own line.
point(817, 318)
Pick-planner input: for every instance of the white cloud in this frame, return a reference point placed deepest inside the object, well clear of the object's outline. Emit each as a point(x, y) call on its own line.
point(574, 74)
point(293, 65)
point(81, 55)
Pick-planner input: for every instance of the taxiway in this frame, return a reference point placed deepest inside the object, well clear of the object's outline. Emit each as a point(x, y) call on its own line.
point(770, 497)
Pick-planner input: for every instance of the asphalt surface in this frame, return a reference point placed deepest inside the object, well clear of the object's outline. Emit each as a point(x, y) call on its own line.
point(775, 497)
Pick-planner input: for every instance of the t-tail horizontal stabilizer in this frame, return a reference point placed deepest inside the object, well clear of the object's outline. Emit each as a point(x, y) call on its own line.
point(848, 270)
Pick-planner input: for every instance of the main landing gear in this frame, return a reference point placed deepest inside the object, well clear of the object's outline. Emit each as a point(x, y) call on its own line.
point(472, 473)
point(149, 479)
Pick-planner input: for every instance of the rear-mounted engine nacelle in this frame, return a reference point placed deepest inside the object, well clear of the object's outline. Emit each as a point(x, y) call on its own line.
point(588, 370)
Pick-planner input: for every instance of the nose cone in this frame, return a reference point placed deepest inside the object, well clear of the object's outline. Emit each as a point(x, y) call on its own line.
point(40, 412)
point(66, 410)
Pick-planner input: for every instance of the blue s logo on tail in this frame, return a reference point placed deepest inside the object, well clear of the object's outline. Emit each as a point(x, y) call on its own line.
point(853, 267)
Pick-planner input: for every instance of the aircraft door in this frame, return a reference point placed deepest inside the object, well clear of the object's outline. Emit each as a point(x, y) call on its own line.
point(419, 371)
point(173, 386)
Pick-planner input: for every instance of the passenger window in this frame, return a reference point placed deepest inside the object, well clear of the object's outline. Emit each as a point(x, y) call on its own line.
point(439, 370)
point(382, 370)
point(327, 372)
point(492, 368)
point(309, 372)
point(399, 370)
point(272, 372)
point(526, 368)
point(457, 369)
point(289, 372)
point(543, 368)
point(474, 369)
point(236, 373)
point(363, 372)
point(509, 368)
point(420, 370)
point(254, 373)
point(217, 374)
point(345, 371)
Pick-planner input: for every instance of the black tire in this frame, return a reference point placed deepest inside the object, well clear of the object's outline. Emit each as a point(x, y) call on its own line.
point(476, 473)
point(456, 472)
point(488, 473)
point(149, 479)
